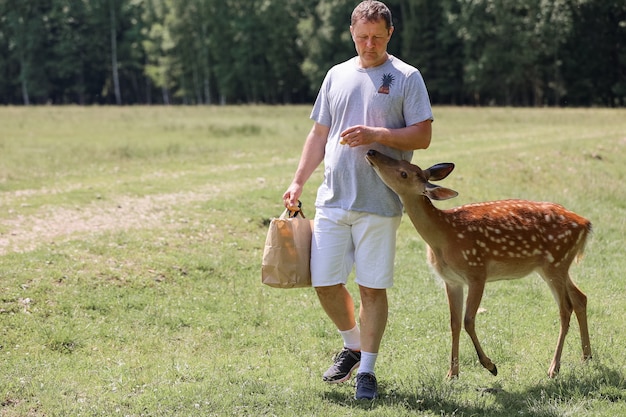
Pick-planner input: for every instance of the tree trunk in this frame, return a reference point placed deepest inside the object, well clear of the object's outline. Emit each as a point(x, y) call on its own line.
point(166, 94)
point(205, 66)
point(116, 78)
point(24, 77)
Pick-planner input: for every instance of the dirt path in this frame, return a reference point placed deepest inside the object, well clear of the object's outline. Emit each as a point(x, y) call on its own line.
point(22, 233)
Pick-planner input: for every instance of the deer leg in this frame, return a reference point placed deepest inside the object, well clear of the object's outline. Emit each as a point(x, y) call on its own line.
point(455, 302)
point(558, 285)
point(579, 303)
point(555, 366)
point(474, 296)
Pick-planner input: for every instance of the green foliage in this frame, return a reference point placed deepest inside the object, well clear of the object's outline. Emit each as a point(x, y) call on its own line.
point(603, 31)
point(530, 52)
point(130, 247)
point(325, 35)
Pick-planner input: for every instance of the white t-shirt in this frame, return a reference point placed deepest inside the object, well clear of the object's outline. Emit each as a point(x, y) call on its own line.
point(392, 95)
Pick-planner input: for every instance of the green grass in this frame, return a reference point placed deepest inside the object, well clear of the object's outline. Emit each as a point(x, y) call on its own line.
point(130, 246)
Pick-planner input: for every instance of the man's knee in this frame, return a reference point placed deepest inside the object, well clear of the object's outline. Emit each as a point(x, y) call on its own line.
point(328, 291)
point(372, 294)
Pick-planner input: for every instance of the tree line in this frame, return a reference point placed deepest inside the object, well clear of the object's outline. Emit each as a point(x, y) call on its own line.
point(470, 52)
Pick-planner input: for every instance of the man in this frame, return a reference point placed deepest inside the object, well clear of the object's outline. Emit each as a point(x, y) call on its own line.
point(372, 101)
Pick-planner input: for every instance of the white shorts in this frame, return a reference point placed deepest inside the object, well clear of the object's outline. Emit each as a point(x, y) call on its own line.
point(343, 239)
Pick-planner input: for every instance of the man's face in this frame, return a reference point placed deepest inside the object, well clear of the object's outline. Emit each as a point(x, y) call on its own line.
point(370, 40)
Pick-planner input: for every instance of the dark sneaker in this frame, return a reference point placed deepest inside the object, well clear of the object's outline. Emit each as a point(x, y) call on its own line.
point(346, 362)
point(366, 387)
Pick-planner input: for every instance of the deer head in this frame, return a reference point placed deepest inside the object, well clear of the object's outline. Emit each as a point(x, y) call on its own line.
point(406, 179)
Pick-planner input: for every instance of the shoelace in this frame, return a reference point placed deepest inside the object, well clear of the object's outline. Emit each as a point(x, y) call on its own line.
point(367, 381)
point(343, 356)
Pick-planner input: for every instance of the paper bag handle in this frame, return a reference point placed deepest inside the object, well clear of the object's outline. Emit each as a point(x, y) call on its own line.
point(294, 213)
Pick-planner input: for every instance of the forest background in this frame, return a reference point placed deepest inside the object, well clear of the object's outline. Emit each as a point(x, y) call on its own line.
point(470, 52)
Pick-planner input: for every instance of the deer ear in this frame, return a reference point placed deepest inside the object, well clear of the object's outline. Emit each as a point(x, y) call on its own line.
point(435, 192)
point(439, 171)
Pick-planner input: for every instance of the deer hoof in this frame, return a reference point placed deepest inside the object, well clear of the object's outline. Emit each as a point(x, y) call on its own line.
point(494, 370)
point(451, 375)
point(553, 372)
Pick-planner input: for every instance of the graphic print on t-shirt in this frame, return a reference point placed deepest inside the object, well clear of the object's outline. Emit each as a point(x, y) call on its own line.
point(387, 81)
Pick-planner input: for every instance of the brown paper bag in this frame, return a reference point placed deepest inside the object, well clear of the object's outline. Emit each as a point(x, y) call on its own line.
point(287, 254)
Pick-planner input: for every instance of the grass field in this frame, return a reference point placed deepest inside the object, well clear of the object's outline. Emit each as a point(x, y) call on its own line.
point(130, 248)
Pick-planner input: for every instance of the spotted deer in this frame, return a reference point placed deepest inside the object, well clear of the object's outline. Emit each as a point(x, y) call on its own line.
point(484, 242)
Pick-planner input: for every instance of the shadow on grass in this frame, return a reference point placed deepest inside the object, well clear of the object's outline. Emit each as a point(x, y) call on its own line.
point(549, 398)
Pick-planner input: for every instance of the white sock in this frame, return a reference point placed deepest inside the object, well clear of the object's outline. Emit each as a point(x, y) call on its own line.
point(352, 338)
point(368, 362)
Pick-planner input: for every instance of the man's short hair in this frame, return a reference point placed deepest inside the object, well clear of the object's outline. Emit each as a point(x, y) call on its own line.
point(372, 11)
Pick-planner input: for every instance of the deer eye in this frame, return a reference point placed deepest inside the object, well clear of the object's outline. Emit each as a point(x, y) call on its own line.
point(404, 175)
